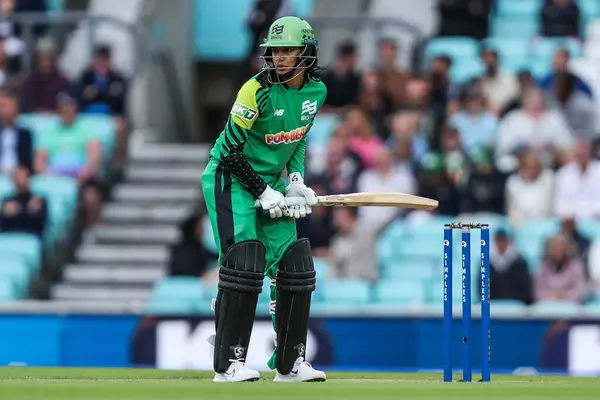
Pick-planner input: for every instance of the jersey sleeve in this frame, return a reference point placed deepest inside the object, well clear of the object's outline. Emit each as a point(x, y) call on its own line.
point(244, 113)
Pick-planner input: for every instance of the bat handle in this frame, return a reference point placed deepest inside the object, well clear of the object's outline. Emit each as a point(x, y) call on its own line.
point(290, 201)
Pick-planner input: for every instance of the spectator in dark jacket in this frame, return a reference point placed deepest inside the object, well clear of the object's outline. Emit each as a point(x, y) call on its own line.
point(23, 212)
point(189, 257)
point(103, 89)
point(16, 143)
point(343, 81)
point(41, 86)
point(560, 66)
point(509, 275)
point(560, 18)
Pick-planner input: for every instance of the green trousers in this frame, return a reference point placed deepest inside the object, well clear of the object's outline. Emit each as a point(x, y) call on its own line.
point(234, 218)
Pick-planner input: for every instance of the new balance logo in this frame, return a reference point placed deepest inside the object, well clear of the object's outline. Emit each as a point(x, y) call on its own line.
point(279, 113)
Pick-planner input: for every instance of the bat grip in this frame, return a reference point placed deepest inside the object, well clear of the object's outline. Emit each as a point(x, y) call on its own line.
point(290, 201)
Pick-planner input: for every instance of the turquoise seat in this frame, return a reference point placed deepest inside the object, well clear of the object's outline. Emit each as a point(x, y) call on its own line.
point(103, 128)
point(265, 296)
point(303, 8)
point(590, 9)
point(508, 46)
point(519, 8)
point(455, 47)
point(321, 269)
point(347, 290)
point(22, 245)
point(531, 237)
point(400, 291)
point(410, 268)
point(506, 304)
point(178, 288)
point(323, 127)
point(208, 239)
point(466, 69)
point(512, 27)
point(545, 48)
point(63, 187)
point(558, 306)
point(590, 228)
point(15, 270)
point(7, 290)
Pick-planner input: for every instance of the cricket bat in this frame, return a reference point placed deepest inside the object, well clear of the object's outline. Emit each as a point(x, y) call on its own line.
point(401, 200)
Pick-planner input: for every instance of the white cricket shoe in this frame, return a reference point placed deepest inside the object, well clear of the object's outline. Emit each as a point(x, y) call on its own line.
point(302, 371)
point(237, 372)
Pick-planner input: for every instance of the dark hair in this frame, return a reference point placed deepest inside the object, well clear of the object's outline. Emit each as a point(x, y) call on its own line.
point(315, 72)
point(346, 48)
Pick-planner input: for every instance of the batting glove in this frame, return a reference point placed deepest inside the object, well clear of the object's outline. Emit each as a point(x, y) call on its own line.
point(272, 201)
point(297, 188)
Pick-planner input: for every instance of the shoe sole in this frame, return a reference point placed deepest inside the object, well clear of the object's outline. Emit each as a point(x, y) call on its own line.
point(245, 380)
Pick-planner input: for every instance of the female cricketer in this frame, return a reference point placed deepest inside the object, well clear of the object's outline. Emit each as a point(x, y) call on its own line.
point(265, 135)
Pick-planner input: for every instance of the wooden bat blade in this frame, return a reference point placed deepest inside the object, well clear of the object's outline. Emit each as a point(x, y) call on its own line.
point(379, 199)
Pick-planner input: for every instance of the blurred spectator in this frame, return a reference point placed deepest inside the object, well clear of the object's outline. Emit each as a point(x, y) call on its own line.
point(535, 126)
point(384, 178)
point(441, 87)
point(189, 257)
point(577, 108)
point(498, 88)
point(435, 182)
point(318, 227)
point(69, 149)
point(363, 140)
point(560, 18)
point(372, 103)
point(483, 190)
point(7, 69)
point(455, 160)
point(594, 266)
point(464, 17)
point(405, 127)
point(352, 253)
point(560, 66)
point(571, 231)
point(42, 85)
point(577, 190)
point(23, 212)
point(343, 81)
point(104, 90)
point(561, 275)
point(9, 31)
point(526, 82)
point(30, 6)
point(476, 125)
point(16, 142)
point(417, 98)
point(529, 191)
point(392, 79)
point(509, 274)
point(342, 169)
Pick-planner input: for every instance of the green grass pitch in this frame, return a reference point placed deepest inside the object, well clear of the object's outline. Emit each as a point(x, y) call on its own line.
point(24, 383)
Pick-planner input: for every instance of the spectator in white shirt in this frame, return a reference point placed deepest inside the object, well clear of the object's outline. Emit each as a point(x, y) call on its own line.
point(578, 185)
point(499, 88)
point(535, 126)
point(529, 191)
point(384, 178)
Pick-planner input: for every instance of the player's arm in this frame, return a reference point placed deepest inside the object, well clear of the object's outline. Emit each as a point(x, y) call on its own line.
point(243, 114)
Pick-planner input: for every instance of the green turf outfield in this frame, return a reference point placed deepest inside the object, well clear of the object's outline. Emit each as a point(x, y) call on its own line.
point(21, 383)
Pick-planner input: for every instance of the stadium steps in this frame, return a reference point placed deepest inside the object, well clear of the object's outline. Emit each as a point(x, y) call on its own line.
point(122, 257)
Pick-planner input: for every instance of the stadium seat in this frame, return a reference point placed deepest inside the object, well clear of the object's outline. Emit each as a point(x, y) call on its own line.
point(14, 270)
point(7, 290)
point(208, 239)
point(590, 9)
point(558, 306)
point(170, 307)
point(178, 288)
point(512, 27)
point(545, 48)
point(506, 304)
point(25, 246)
point(519, 8)
point(404, 291)
point(347, 290)
point(410, 268)
point(466, 69)
point(590, 228)
point(321, 269)
point(508, 46)
point(322, 129)
point(455, 47)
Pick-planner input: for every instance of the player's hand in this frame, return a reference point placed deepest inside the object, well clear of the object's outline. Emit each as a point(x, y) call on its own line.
point(272, 201)
point(297, 188)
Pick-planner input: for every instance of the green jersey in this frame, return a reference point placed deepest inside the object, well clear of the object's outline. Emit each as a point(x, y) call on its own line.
point(270, 123)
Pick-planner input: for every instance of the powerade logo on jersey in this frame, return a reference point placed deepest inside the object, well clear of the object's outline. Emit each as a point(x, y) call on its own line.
point(286, 137)
point(243, 111)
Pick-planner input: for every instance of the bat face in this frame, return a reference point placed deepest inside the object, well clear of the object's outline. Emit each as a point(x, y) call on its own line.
point(401, 200)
